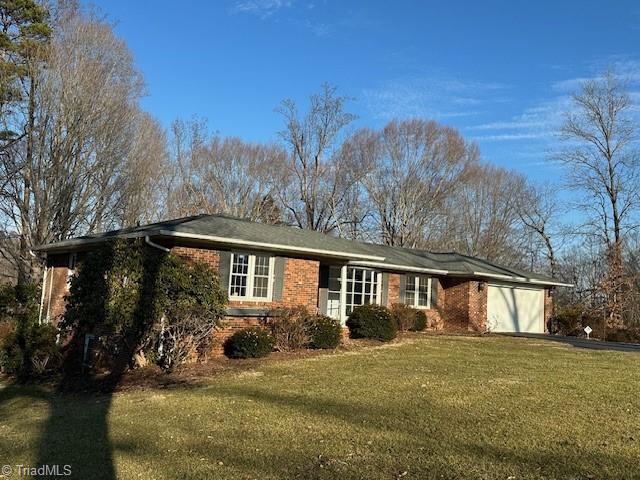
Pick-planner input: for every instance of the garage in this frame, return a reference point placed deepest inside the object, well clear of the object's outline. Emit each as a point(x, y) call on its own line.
point(515, 309)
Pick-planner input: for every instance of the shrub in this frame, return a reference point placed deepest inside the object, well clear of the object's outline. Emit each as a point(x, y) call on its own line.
point(407, 318)
point(289, 328)
point(324, 332)
point(403, 316)
point(19, 303)
point(372, 321)
point(138, 297)
point(193, 306)
point(7, 327)
point(254, 342)
point(567, 321)
point(624, 335)
point(419, 322)
point(30, 351)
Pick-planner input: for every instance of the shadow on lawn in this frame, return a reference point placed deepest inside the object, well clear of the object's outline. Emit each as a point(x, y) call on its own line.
point(423, 453)
point(76, 432)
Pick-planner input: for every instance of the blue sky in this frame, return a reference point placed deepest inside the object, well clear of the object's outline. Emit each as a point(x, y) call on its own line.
point(500, 72)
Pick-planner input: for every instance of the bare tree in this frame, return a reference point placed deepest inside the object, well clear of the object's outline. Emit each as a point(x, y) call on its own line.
point(417, 166)
point(602, 164)
point(68, 175)
point(139, 199)
point(317, 181)
point(483, 216)
point(224, 175)
point(538, 210)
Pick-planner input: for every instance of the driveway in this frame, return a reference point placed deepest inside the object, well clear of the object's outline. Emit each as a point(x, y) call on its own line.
point(580, 342)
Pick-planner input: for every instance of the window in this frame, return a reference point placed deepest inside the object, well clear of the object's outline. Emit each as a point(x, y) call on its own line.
point(362, 288)
point(418, 291)
point(251, 276)
point(333, 292)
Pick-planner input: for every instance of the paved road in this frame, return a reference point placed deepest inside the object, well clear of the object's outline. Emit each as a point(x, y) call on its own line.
point(581, 342)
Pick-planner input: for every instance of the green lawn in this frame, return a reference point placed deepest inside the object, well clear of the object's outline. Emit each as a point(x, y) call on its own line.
point(428, 407)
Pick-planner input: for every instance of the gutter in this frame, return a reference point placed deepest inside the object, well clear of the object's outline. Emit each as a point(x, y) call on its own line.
point(268, 246)
point(509, 278)
point(353, 259)
point(404, 268)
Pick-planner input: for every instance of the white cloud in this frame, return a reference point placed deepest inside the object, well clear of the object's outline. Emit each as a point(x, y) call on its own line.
point(511, 136)
point(261, 8)
point(512, 125)
point(626, 69)
point(435, 97)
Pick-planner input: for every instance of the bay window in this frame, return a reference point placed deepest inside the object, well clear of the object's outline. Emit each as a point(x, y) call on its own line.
point(251, 277)
point(350, 287)
point(361, 288)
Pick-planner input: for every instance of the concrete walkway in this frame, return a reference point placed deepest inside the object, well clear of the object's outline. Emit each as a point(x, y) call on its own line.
point(580, 342)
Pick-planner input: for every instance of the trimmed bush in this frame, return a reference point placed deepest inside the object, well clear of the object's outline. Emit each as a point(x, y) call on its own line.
point(289, 328)
point(324, 332)
point(419, 321)
point(254, 342)
point(407, 318)
point(372, 321)
point(30, 351)
point(404, 316)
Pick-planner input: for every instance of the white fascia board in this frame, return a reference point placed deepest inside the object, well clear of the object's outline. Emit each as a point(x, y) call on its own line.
point(521, 279)
point(268, 246)
point(390, 266)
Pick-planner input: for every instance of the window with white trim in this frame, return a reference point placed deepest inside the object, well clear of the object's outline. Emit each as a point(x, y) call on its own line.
point(361, 288)
point(251, 277)
point(417, 291)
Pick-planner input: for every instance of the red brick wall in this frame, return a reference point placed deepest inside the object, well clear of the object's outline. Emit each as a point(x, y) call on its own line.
point(210, 257)
point(300, 287)
point(465, 305)
point(434, 318)
point(548, 308)
point(393, 294)
point(477, 306)
point(456, 310)
point(301, 283)
point(434, 315)
point(56, 287)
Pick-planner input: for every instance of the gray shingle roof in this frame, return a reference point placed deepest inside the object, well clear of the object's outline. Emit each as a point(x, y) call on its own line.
point(222, 229)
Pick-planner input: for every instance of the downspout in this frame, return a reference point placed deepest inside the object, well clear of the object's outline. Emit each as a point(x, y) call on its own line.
point(44, 287)
point(50, 291)
point(148, 241)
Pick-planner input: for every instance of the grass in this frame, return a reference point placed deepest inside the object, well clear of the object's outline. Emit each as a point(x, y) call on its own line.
point(428, 407)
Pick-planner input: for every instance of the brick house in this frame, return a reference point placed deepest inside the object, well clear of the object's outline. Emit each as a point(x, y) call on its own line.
point(266, 266)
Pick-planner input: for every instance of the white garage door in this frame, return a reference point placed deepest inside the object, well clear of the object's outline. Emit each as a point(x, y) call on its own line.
point(515, 309)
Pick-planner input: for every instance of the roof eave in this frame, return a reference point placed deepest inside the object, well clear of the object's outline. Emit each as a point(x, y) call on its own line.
point(404, 268)
point(510, 278)
point(75, 243)
point(276, 247)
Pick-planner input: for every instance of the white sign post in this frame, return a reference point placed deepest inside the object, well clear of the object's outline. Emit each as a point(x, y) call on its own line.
point(588, 330)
